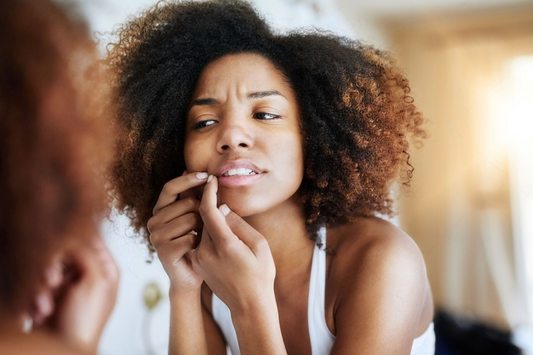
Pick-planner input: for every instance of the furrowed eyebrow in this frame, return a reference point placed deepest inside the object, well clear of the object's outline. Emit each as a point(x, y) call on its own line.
point(204, 102)
point(261, 94)
point(253, 95)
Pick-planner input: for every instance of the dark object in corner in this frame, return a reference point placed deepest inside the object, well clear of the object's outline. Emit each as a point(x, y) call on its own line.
point(457, 336)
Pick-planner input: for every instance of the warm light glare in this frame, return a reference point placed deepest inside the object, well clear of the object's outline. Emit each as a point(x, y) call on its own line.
point(518, 120)
point(520, 103)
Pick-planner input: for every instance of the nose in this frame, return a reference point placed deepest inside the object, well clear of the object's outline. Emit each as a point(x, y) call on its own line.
point(235, 134)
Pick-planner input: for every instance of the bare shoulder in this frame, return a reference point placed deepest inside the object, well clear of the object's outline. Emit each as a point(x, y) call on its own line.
point(372, 241)
point(377, 274)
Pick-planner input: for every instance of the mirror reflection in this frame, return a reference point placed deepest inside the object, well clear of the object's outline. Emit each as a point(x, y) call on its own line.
point(286, 174)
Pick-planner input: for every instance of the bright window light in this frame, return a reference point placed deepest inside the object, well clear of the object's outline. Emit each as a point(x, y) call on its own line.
point(519, 140)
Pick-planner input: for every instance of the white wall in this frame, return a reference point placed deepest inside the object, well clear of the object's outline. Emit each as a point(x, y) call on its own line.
point(281, 14)
point(131, 328)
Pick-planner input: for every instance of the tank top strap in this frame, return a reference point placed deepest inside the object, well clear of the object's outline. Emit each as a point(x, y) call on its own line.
point(319, 334)
point(222, 316)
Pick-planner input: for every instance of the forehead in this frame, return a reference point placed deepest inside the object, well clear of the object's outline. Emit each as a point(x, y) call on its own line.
point(248, 71)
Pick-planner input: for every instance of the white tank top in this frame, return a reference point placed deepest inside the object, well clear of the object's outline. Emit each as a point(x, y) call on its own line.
point(321, 338)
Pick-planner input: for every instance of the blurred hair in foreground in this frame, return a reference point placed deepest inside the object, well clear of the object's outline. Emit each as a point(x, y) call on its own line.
point(54, 142)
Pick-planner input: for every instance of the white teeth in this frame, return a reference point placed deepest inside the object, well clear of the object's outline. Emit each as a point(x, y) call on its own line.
point(239, 172)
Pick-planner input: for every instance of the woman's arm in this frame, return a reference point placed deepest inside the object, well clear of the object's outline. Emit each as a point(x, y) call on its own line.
point(187, 335)
point(172, 233)
point(192, 327)
point(235, 261)
point(215, 340)
point(381, 301)
point(266, 337)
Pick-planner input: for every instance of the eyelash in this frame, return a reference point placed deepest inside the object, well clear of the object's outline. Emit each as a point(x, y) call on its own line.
point(274, 117)
point(202, 124)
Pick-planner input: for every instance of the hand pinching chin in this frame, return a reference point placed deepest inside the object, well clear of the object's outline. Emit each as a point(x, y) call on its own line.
point(174, 227)
point(232, 257)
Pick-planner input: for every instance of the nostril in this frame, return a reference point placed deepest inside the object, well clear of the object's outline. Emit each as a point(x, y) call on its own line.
point(235, 145)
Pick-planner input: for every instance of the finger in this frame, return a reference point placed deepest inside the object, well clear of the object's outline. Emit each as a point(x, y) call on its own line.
point(44, 304)
point(93, 264)
point(54, 275)
point(176, 228)
point(205, 240)
point(213, 219)
point(108, 264)
point(204, 247)
point(90, 263)
point(177, 248)
point(170, 191)
point(186, 193)
point(245, 232)
point(43, 307)
point(25, 322)
point(172, 211)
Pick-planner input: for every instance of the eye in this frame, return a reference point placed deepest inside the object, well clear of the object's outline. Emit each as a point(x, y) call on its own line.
point(266, 116)
point(203, 124)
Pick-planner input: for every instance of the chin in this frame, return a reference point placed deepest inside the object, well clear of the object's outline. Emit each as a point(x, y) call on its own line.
point(244, 206)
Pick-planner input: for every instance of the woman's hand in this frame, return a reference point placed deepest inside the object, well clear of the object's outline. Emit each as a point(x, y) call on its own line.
point(86, 296)
point(174, 228)
point(233, 258)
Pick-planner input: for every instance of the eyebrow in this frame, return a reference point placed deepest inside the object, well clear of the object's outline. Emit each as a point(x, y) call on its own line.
point(252, 95)
point(261, 94)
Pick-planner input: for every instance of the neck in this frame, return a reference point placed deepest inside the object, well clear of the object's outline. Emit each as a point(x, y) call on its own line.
point(284, 228)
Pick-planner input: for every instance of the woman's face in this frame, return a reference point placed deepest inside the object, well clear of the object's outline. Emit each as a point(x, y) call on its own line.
point(243, 127)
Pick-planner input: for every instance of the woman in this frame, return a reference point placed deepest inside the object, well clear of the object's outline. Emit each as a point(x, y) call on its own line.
point(256, 164)
point(54, 269)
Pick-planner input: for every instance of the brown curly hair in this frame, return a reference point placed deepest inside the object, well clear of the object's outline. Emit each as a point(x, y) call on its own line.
point(356, 112)
point(53, 140)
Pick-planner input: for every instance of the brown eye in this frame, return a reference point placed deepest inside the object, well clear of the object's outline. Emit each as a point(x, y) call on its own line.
point(203, 124)
point(266, 116)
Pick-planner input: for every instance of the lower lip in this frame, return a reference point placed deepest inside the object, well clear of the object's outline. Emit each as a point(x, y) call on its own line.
point(242, 180)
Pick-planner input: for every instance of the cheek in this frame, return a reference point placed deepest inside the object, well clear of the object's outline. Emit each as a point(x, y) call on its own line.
point(298, 165)
point(194, 156)
point(292, 155)
point(195, 162)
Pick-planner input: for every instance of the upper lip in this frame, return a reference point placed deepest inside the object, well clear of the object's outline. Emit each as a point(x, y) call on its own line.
point(237, 164)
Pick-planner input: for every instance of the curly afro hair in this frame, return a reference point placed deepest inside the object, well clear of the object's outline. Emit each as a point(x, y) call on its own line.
point(356, 112)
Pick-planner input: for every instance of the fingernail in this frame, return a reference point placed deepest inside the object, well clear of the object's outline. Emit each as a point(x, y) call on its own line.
point(210, 178)
point(27, 324)
point(44, 303)
point(53, 276)
point(201, 176)
point(224, 209)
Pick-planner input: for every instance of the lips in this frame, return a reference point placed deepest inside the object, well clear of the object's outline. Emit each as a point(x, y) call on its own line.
point(238, 168)
point(239, 173)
